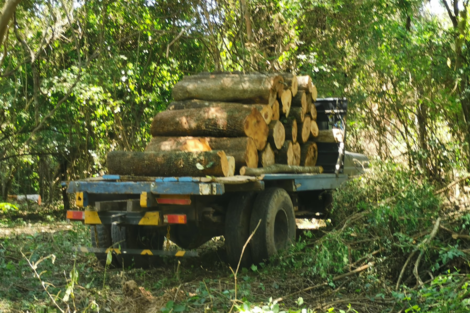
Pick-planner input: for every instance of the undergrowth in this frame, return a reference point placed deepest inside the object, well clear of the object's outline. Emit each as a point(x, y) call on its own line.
point(388, 247)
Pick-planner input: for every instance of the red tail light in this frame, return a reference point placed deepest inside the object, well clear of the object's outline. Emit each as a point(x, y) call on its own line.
point(175, 218)
point(76, 215)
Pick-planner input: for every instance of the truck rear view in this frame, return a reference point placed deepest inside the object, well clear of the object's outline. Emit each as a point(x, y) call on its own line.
point(234, 154)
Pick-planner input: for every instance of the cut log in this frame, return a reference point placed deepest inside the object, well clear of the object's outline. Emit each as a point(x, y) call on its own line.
point(290, 82)
point(243, 149)
point(243, 88)
point(309, 154)
point(297, 151)
point(169, 163)
point(190, 144)
point(314, 128)
point(276, 111)
point(281, 168)
point(305, 83)
point(265, 110)
point(291, 130)
point(300, 101)
point(314, 93)
point(286, 101)
point(214, 122)
point(231, 165)
point(329, 136)
point(313, 111)
point(297, 114)
point(285, 155)
point(277, 134)
point(304, 130)
point(266, 157)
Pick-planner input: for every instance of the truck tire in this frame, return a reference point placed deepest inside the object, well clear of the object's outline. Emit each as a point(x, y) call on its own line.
point(136, 237)
point(276, 231)
point(102, 233)
point(237, 229)
point(188, 236)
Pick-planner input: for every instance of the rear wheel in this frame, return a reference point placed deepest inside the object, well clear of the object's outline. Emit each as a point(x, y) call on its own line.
point(101, 238)
point(277, 227)
point(137, 237)
point(237, 229)
point(188, 236)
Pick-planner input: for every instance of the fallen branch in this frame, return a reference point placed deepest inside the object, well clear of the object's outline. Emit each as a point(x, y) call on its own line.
point(454, 234)
point(452, 184)
point(357, 270)
point(425, 242)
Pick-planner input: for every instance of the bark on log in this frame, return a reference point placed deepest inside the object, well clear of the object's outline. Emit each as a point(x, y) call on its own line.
point(305, 83)
point(314, 128)
point(297, 114)
point(291, 130)
point(214, 122)
point(276, 111)
point(281, 168)
point(286, 101)
point(277, 134)
point(169, 163)
point(300, 101)
point(304, 129)
point(265, 110)
point(243, 149)
point(244, 88)
point(190, 144)
point(285, 155)
point(329, 136)
point(297, 152)
point(309, 154)
point(290, 82)
point(266, 157)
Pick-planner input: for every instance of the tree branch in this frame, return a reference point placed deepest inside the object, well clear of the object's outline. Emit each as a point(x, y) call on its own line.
point(7, 13)
point(451, 16)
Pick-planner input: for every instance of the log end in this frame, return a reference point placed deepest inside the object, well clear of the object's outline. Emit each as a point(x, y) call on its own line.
point(314, 93)
point(313, 111)
point(309, 154)
point(231, 165)
point(290, 154)
point(306, 129)
point(267, 113)
point(286, 101)
point(251, 154)
point(225, 165)
point(256, 128)
point(294, 131)
point(276, 111)
point(267, 157)
point(314, 128)
point(296, 150)
point(279, 134)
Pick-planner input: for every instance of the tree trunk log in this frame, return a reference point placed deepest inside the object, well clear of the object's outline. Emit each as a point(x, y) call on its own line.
point(280, 168)
point(266, 157)
point(285, 155)
point(214, 122)
point(314, 128)
point(265, 110)
point(304, 129)
point(297, 114)
point(286, 100)
point(291, 130)
point(169, 163)
point(244, 88)
point(277, 134)
point(309, 154)
point(329, 136)
point(290, 82)
point(243, 149)
point(312, 109)
point(305, 83)
point(314, 93)
point(191, 144)
point(276, 111)
point(297, 151)
point(300, 101)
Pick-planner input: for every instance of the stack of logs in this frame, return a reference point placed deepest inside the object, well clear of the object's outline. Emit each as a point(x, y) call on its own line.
point(228, 123)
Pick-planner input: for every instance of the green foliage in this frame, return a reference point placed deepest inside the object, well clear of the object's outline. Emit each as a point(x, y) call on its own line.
point(5, 207)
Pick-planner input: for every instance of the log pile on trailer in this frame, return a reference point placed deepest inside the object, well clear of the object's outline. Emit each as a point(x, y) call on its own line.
point(225, 124)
